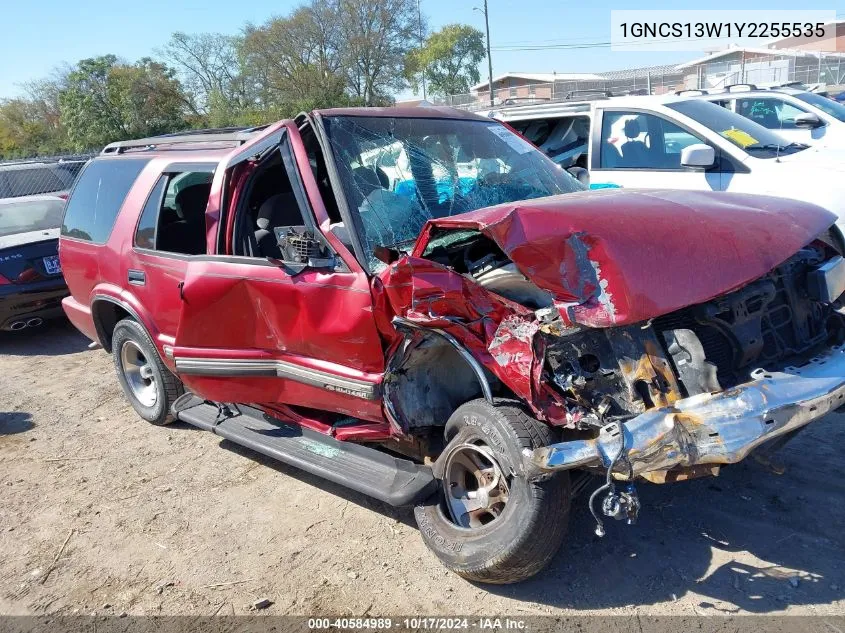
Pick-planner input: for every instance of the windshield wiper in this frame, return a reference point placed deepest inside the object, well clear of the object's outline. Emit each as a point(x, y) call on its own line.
point(774, 147)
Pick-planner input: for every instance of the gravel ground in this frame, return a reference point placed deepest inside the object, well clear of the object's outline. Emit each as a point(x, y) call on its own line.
point(104, 513)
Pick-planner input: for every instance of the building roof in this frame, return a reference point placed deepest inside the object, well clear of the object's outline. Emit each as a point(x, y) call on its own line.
point(541, 78)
point(630, 73)
point(757, 51)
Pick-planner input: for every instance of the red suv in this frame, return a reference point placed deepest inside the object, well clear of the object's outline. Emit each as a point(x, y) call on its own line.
point(402, 301)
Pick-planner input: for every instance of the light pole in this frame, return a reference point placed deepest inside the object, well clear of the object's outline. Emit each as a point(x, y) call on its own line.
point(489, 59)
point(419, 24)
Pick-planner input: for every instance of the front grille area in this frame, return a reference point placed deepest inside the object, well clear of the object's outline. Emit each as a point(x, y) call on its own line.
point(772, 322)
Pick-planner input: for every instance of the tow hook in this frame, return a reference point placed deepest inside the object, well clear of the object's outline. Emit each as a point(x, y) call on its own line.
point(619, 502)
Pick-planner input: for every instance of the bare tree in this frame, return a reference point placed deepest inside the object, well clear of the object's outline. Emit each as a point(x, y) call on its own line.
point(376, 36)
point(209, 67)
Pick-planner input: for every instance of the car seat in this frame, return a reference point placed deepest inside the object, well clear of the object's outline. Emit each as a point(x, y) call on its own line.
point(634, 153)
point(187, 234)
point(281, 209)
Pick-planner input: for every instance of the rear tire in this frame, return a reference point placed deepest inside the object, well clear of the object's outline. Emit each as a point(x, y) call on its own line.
point(148, 385)
point(521, 524)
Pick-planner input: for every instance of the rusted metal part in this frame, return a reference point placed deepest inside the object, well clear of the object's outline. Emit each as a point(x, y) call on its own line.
point(709, 429)
point(617, 257)
point(681, 473)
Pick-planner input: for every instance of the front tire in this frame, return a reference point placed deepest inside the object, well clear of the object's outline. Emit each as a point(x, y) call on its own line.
point(148, 385)
point(489, 523)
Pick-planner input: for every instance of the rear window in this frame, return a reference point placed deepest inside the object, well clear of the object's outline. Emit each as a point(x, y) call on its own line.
point(22, 216)
point(98, 196)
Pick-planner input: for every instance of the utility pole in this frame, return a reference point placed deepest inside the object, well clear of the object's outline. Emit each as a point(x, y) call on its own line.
point(489, 59)
point(419, 25)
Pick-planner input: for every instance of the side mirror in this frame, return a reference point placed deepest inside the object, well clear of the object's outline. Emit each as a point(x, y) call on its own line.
point(302, 249)
point(808, 120)
point(698, 155)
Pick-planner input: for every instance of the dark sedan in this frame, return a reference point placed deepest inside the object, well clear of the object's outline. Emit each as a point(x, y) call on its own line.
point(31, 282)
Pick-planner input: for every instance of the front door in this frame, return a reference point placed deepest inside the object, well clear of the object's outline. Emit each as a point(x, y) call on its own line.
point(253, 330)
point(643, 149)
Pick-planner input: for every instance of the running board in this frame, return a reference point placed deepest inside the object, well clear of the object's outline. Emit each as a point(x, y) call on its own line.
point(366, 470)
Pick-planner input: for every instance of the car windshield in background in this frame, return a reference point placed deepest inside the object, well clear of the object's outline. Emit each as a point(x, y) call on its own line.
point(397, 173)
point(744, 133)
point(23, 216)
point(831, 107)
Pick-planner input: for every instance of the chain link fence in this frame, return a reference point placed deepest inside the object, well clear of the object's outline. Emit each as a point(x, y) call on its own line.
point(41, 175)
point(734, 67)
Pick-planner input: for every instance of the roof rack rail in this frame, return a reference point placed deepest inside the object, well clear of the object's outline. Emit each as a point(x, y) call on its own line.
point(524, 100)
point(595, 93)
point(692, 91)
point(224, 137)
point(742, 87)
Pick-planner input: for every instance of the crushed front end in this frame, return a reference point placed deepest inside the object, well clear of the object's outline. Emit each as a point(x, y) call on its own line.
point(703, 386)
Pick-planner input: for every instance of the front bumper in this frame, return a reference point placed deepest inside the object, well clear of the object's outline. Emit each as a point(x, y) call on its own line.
point(710, 429)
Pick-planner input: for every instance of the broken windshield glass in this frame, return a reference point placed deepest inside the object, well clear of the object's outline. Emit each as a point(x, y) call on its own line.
point(398, 173)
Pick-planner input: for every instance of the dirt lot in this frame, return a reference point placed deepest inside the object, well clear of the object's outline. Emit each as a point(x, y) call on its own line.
point(171, 520)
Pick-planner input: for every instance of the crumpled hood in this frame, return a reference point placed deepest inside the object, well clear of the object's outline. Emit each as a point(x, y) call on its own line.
point(621, 256)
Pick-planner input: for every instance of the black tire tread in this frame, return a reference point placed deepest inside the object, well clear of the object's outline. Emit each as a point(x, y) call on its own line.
point(544, 533)
point(173, 387)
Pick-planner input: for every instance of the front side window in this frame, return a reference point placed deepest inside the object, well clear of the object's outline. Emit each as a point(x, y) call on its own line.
point(773, 114)
point(743, 133)
point(398, 173)
point(636, 140)
point(173, 218)
point(831, 107)
point(97, 197)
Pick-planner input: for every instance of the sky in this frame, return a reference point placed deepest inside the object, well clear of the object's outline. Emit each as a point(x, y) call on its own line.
point(40, 36)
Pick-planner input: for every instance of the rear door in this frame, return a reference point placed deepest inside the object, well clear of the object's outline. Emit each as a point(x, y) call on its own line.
point(169, 233)
point(252, 330)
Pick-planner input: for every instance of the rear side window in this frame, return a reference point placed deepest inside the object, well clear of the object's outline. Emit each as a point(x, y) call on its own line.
point(98, 196)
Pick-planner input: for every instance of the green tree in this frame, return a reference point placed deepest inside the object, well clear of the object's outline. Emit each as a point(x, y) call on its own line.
point(448, 59)
point(296, 59)
point(109, 100)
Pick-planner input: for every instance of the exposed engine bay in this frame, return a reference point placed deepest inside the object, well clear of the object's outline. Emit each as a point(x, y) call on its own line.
point(617, 373)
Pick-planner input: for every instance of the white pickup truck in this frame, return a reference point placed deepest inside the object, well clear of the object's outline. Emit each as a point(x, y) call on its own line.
point(678, 142)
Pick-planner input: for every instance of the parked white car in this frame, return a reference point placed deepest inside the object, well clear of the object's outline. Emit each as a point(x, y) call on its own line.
point(686, 143)
point(797, 115)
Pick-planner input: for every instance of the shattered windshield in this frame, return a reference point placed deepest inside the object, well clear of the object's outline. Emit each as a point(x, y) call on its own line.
point(397, 173)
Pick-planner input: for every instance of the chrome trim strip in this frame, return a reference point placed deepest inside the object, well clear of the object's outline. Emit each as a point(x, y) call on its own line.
point(277, 369)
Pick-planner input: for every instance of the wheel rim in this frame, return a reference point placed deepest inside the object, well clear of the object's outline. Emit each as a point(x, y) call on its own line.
point(139, 374)
point(475, 487)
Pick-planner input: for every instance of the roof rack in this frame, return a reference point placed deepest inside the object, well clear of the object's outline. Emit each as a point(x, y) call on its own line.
point(223, 137)
point(692, 91)
point(742, 87)
point(588, 93)
point(520, 100)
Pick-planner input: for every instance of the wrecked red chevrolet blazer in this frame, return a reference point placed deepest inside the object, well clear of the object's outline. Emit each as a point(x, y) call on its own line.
point(417, 304)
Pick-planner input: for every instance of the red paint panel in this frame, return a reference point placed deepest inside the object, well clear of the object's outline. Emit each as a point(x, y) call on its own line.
point(616, 257)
